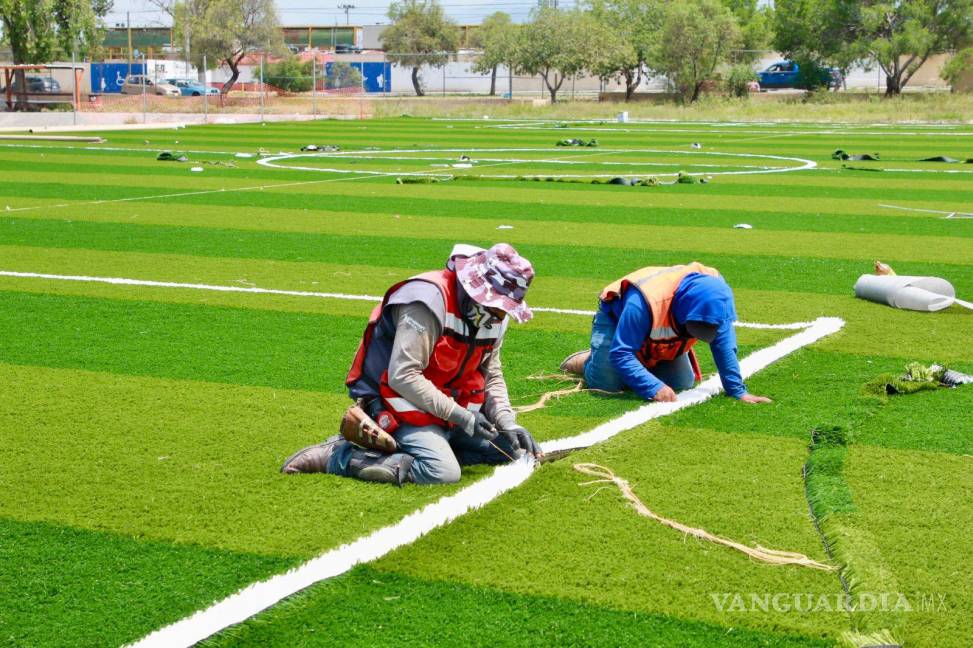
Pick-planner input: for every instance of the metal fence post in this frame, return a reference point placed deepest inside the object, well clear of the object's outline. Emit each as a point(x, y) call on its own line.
point(74, 90)
point(444, 76)
point(261, 86)
point(510, 82)
point(314, 86)
point(386, 75)
point(145, 77)
point(205, 91)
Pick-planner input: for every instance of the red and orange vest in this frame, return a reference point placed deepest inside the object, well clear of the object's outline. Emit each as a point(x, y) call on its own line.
point(663, 342)
point(454, 366)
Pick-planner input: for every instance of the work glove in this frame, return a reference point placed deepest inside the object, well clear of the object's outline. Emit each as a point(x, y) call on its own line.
point(480, 427)
point(519, 437)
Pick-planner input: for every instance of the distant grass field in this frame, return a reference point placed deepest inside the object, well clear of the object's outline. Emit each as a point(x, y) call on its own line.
point(143, 427)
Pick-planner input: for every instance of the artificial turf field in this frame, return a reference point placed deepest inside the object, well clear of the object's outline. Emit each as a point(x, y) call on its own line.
point(143, 426)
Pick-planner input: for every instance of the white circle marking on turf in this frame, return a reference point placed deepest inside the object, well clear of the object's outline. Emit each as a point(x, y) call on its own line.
point(392, 154)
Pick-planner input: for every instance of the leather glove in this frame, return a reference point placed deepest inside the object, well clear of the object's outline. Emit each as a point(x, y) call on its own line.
point(519, 437)
point(480, 427)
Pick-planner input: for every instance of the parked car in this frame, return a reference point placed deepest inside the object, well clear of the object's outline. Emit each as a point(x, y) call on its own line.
point(135, 82)
point(191, 87)
point(37, 84)
point(787, 74)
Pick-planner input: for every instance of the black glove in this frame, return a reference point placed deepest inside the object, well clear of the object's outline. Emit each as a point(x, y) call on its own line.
point(481, 427)
point(519, 437)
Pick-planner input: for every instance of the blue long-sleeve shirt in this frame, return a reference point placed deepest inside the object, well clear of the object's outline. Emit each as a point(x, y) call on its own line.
point(699, 298)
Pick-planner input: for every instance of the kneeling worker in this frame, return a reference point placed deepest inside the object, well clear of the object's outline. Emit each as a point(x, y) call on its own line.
point(646, 325)
point(427, 378)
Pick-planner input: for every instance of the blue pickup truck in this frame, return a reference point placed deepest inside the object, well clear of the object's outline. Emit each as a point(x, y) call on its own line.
point(786, 74)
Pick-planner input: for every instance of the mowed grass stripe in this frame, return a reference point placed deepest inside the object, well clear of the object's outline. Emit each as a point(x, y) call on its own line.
point(412, 615)
point(303, 209)
point(61, 586)
point(821, 269)
point(186, 462)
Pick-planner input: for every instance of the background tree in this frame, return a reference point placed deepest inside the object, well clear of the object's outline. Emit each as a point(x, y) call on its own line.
point(756, 28)
point(635, 25)
point(958, 67)
point(497, 37)
point(225, 31)
point(420, 34)
point(897, 36)
point(40, 31)
point(290, 74)
point(697, 36)
point(560, 44)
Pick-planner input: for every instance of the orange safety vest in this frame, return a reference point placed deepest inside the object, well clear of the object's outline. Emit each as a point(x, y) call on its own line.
point(658, 285)
point(454, 366)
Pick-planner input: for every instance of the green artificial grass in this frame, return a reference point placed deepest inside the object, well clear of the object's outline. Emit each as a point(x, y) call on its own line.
point(368, 607)
point(146, 425)
point(552, 537)
point(61, 586)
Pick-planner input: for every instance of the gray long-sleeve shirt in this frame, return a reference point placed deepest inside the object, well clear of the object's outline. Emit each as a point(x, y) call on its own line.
point(417, 329)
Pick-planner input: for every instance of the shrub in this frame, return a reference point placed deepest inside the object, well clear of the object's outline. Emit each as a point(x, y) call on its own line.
point(739, 78)
point(290, 75)
point(959, 65)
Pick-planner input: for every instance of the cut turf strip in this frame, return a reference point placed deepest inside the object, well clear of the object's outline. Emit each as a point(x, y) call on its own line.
point(259, 596)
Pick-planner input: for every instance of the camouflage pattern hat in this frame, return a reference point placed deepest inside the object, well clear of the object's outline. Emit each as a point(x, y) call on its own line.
point(498, 278)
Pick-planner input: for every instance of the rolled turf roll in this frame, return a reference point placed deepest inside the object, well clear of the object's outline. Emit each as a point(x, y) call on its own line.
point(928, 294)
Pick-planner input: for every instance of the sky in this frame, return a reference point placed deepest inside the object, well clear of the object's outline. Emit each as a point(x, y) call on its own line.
point(318, 12)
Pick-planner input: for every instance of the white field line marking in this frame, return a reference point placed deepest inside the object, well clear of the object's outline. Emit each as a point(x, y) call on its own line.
point(949, 214)
point(272, 161)
point(120, 149)
point(186, 193)
point(257, 597)
point(499, 161)
point(123, 281)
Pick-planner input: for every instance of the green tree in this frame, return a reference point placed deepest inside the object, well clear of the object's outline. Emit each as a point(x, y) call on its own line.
point(756, 27)
point(898, 36)
point(225, 31)
point(290, 74)
point(497, 38)
point(697, 37)
point(960, 65)
point(558, 45)
point(420, 34)
point(635, 25)
point(39, 31)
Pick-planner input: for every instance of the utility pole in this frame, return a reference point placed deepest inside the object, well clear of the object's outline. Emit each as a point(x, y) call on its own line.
point(347, 8)
point(128, 19)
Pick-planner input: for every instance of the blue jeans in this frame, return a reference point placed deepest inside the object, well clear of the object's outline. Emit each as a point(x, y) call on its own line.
point(437, 453)
point(600, 372)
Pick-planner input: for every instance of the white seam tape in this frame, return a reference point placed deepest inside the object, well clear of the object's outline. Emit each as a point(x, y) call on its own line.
point(260, 596)
point(122, 281)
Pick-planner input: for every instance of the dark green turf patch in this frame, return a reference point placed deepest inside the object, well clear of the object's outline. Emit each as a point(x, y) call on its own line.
point(67, 587)
point(309, 351)
point(827, 491)
point(797, 274)
point(368, 607)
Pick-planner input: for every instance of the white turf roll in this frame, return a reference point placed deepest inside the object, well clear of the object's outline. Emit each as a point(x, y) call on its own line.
point(928, 294)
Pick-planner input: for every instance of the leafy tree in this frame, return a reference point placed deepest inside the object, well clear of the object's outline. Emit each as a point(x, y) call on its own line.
point(560, 44)
point(226, 31)
point(756, 26)
point(290, 74)
point(958, 66)
point(497, 37)
point(697, 36)
point(636, 25)
point(420, 34)
point(39, 31)
point(898, 36)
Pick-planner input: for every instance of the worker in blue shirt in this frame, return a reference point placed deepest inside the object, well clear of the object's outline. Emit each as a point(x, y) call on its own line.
point(646, 325)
